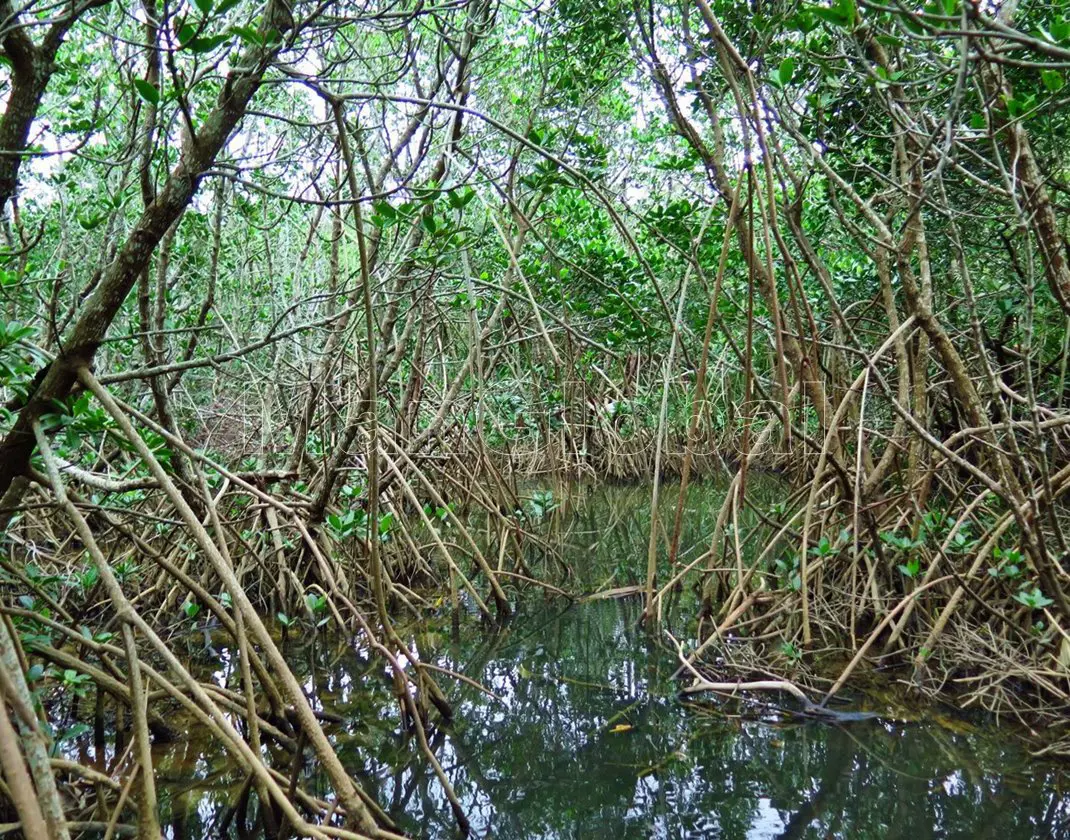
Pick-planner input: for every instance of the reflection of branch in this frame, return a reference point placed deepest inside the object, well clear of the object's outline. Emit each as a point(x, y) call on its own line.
point(813, 807)
point(463, 679)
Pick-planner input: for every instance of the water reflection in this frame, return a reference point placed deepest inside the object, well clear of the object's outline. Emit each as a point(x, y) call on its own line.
point(586, 737)
point(594, 744)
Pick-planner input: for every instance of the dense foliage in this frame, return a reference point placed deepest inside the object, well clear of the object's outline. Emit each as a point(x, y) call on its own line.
point(296, 293)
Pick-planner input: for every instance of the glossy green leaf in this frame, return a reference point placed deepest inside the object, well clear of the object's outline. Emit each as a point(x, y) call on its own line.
point(147, 91)
point(786, 71)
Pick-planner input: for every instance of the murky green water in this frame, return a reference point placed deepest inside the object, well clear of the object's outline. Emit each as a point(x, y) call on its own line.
point(587, 738)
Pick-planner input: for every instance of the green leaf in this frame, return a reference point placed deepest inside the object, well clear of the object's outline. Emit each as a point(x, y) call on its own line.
point(1035, 600)
point(1053, 80)
point(386, 522)
point(843, 14)
point(910, 569)
point(803, 22)
point(147, 91)
point(203, 45)
point(75, 732)
point(459, 200)
point(204, 5)
point(786, 70)
point(833, 16)
point(383, 215)
point(186, 33)
point(248, 34)
point(977, 121)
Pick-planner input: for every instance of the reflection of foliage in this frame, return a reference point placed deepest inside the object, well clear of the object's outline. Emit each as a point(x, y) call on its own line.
point(591, 740)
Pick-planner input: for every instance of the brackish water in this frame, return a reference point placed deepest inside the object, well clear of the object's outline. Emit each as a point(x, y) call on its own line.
point(587, 738)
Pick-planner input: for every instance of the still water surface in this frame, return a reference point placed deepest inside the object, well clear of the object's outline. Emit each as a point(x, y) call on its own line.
point(587, 738)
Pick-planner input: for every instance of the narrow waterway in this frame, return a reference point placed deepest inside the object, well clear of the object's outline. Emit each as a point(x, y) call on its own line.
point(585, 735)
